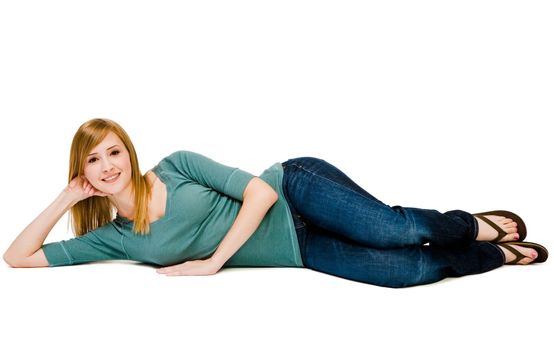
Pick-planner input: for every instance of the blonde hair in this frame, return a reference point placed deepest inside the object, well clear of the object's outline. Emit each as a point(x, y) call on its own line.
point(97, 211)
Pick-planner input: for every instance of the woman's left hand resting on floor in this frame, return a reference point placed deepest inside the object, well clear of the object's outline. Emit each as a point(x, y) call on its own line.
point(192, 268)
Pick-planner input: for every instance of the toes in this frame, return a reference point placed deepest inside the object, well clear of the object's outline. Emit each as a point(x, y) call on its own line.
point(512, 236)
point(530, 255)
point(525, 261)
point(510, 229)
point(509, 226)
point(508, 222)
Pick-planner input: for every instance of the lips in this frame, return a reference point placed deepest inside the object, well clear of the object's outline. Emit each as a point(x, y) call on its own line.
point(111, 178)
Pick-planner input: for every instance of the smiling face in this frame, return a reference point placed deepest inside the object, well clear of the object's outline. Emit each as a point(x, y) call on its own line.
point(108, 166)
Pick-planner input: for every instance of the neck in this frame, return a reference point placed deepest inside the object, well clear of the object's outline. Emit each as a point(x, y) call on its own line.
point(124, 201)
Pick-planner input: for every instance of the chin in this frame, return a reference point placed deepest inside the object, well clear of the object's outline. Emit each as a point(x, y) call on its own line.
point(115, 189)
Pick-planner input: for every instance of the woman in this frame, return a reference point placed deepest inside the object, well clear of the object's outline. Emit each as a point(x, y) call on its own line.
point(195, 216)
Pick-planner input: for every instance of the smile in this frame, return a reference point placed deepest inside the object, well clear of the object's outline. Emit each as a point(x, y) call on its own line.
point(112, 179)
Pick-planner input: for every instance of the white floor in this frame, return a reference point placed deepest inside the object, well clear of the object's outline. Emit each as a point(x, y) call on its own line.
point(128, 305)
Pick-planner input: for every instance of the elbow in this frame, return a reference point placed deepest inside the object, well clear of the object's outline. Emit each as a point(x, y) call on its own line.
point(274, 196)
point(259, 187)
point(265, 197)
point(36, 260)
point(270, 195)
point(6, 258)
point(10, 261)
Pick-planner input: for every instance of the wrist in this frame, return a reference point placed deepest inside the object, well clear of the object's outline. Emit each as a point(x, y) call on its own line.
point(66, 199)
point(217, 261)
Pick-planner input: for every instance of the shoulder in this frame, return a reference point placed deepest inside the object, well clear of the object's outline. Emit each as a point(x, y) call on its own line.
point(178, 155)
point(183, 158)
point(166, 161)
point(169, 166)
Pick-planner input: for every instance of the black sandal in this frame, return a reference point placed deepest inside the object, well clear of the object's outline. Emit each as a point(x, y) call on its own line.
point(541, 251)
point(521, 229)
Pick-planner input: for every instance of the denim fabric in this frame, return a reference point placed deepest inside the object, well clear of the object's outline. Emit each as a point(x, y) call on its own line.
point(345, 231)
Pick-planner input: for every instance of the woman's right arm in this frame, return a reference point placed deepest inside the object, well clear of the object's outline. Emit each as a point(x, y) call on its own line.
point(25, 251)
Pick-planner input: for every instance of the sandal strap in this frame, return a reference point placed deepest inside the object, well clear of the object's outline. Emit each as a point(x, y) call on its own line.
point(516, 252)
point(500, 233)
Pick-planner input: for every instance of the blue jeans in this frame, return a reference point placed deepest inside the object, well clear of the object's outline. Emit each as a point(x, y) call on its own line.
point(346, 232)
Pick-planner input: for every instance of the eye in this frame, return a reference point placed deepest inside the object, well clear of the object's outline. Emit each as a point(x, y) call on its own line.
point(93, 159)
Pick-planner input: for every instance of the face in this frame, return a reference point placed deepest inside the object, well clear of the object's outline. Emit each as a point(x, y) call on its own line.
point(107, 159)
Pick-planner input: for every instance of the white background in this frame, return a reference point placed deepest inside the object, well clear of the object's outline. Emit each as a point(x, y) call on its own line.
point(432, 104)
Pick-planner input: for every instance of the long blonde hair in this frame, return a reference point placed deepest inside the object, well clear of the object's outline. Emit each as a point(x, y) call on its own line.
point(97, 211)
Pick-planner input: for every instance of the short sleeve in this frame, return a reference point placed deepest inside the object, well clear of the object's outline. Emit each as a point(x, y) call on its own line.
point(225, 179)
point(103, 243)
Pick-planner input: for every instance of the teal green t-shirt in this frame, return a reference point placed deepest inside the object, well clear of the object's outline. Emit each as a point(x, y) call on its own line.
point(203, 201)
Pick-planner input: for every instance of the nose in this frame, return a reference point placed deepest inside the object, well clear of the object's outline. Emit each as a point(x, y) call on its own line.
point(106, 165)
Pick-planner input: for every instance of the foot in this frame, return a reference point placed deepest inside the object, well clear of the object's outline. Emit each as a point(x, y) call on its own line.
point(488, 233)
point(530, 253)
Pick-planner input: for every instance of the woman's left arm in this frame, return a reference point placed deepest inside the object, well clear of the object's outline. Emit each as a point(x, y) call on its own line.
point(258, 198)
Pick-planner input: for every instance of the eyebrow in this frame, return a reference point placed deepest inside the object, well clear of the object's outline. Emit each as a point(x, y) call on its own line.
point(96, 152)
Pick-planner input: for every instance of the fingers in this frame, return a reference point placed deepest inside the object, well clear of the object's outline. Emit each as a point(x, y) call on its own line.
point(173, 270)
point(89, 189)
point(191, 268)
point(166, 269)
point(172, 273)
point(101, 194)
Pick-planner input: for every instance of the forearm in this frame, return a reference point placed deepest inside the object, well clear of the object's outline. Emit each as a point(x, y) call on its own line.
point(253, 210)
point(32, 237)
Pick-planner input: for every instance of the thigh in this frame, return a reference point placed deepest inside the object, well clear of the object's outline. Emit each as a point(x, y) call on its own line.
point(328, 172)
point(326, 197)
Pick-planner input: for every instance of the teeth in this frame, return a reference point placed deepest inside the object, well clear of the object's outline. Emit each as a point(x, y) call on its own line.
point(111, 178)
